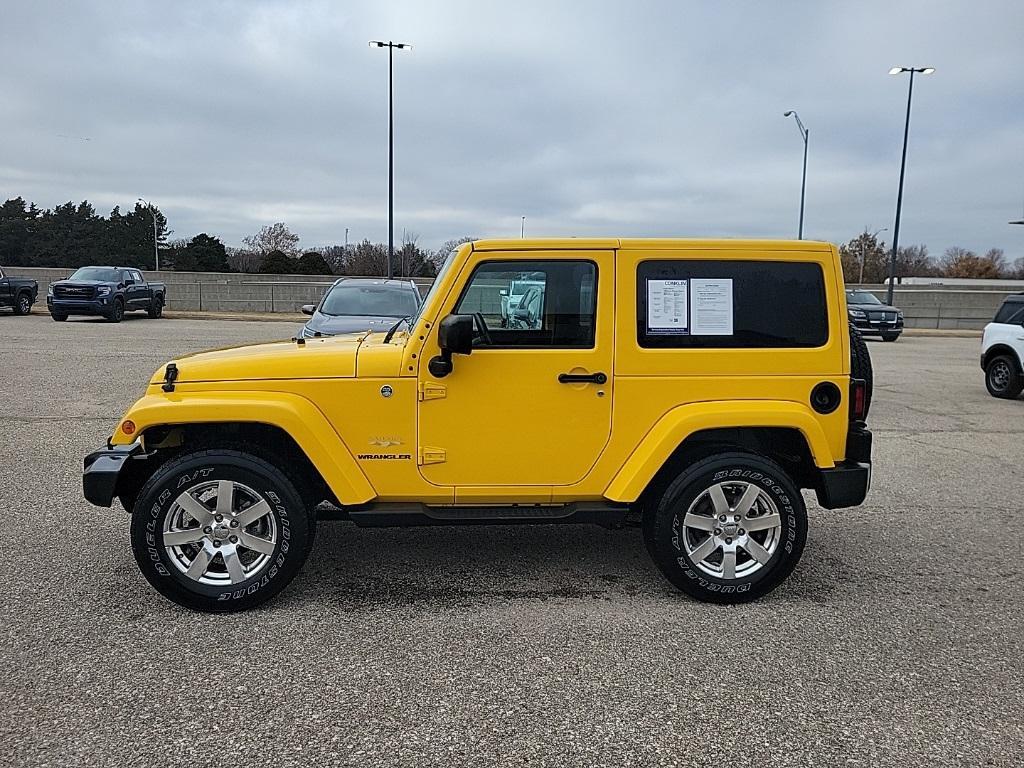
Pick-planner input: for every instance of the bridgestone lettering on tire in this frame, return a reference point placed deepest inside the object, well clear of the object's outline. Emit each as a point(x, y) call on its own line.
point(729, 529)
point(219, 530)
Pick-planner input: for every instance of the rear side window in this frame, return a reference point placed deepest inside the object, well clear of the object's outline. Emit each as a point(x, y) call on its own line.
point(730, 304)
point(1011, 313)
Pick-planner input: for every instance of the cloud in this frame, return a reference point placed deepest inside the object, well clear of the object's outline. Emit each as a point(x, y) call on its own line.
point(589, 118)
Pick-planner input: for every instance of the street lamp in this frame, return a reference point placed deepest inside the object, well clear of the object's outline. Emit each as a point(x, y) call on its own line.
point(156, 249)
point(522, 228)
point(804, 133)
point(863, 255)
point(391, 145)
point(903, 169)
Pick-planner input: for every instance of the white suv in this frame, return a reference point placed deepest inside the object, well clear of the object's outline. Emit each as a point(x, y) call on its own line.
point(1002, 349)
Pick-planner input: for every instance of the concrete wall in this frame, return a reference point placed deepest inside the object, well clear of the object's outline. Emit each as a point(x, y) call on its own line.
point(944, 308)
point(923, 306)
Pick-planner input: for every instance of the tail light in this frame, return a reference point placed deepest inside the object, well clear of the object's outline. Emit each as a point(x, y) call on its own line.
point(858, 399)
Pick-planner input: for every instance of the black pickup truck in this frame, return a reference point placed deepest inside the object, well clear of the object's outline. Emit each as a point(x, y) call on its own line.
point(105, 291)
point(19, 293)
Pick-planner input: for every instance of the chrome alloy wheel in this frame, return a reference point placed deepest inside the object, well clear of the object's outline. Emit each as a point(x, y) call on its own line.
point(999, 375)
point(731, 530)
point(220, 532)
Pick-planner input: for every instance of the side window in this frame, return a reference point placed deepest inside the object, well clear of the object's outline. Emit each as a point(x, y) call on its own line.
point(1011, 313)
point(730, 304)
point(532, 303)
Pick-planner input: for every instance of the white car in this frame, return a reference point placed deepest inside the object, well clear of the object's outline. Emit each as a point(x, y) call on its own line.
point(1002, 349)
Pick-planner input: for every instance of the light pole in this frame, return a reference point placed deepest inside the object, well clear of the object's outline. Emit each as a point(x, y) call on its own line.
point(862, 254)
point(804, 133)
point(903, 169)
point(391, 145)
point(522, 228)
point(156, 249)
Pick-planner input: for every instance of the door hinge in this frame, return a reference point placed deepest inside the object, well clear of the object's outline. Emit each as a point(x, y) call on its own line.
point(430, 390)
point(432, 455)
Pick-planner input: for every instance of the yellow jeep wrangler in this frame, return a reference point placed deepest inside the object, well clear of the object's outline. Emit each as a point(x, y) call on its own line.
point(692, 387)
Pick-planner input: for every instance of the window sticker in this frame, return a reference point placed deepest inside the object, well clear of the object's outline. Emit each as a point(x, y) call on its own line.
point(712, 310)
point(667, 306)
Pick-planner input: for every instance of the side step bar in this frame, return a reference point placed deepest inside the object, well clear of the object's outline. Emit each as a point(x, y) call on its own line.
point(407, 515)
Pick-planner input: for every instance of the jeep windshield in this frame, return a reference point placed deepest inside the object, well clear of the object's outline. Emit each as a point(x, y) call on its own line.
point(103, 274)
point(414, 316)
point(369, 301)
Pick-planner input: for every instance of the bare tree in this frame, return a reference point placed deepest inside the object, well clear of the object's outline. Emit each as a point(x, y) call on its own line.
point(276, 237)
point(242, 260)
point(961, 262)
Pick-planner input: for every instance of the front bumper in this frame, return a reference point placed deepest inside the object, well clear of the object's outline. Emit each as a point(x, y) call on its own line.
point(847, 484)
point(102, 469)
point(870, 327)
point(99, 306)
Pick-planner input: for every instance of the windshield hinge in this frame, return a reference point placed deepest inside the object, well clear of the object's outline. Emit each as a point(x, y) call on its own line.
point(432, 456)
point(430, 390)
point(170, 376)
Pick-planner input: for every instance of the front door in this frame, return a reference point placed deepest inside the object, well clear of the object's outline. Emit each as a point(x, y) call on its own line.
point(531, 406)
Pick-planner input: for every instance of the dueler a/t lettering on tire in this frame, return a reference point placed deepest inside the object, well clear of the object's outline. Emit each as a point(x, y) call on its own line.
point(729, 529)
point(219, 530)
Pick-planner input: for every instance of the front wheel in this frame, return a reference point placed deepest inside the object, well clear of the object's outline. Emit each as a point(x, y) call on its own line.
point(58, 317)
point(729, 529)
point(1003, 378)
point(219, 530)
point(890, 336)
point(116, 312)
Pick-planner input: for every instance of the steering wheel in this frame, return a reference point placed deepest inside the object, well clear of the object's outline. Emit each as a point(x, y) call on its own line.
point(478, 318)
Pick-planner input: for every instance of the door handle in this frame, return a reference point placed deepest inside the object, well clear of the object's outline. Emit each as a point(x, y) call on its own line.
point(582, 378)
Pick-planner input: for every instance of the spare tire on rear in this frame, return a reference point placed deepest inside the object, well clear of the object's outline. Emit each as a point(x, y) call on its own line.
point(860, 364)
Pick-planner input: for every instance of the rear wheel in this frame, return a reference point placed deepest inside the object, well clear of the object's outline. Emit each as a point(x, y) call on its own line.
point(23, 304)
point(1003, 377)
point(156, 307)
point(729, 529)
point(219, 530)
point(860, 364)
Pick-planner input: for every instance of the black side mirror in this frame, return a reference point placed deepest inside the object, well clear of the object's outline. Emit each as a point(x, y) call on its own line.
point(308, 309)
point(455, 337)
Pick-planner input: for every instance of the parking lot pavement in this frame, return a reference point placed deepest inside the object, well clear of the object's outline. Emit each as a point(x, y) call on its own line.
point(898, 640)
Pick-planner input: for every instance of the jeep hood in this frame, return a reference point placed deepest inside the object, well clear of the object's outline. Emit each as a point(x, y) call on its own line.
point(327, 358)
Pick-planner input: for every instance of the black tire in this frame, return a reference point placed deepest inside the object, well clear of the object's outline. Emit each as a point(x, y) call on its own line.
point(890, 336)
point(860, 365)
point(58, 316)
point(23, 304)
point(116, 311)
point(664, 532)
point(286, 519)
point(1003, 377)
point(156, 308)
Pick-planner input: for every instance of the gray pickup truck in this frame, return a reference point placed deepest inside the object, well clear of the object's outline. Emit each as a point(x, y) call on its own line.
point(18, 293)
point(105, 291)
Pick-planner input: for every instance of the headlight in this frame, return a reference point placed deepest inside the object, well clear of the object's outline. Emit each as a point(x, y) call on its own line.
point(857, 313)
point(103, 290)
point(49, 290)
point(899, 314)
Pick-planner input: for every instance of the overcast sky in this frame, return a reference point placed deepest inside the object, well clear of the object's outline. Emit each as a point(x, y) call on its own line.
point(624, 118)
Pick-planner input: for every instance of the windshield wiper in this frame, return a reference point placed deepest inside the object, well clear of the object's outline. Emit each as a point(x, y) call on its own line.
point(393, 328)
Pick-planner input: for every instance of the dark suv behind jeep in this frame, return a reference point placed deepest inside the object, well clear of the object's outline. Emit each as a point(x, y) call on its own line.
point(873, 318)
